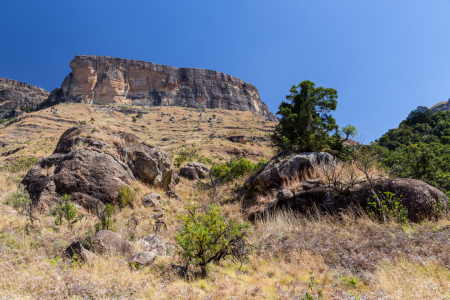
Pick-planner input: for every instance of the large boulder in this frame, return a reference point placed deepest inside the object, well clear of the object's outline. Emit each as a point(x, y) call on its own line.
point(194, 170)
point(420, 199)
point(109, 242)
point(295, 166)
point(91, 163)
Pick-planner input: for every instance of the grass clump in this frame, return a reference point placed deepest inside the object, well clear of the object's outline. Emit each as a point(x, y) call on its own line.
point(21, 164)
point(127, 196)
point(18, 197)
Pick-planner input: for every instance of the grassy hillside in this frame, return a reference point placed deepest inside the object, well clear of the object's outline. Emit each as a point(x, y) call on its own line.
point(348, 256)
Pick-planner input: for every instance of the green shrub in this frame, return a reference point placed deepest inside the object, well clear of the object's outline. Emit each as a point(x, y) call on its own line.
point(21, 164)
point(389, 208)
point(65, 210)
point(127, 196)
point(105, 216)
point(18, 197)
point(186, 155)
point(208, 236)
point(234, 169)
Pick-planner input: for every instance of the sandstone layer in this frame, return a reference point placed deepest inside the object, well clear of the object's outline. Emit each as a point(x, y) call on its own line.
point(16, 94)
point(116, 80)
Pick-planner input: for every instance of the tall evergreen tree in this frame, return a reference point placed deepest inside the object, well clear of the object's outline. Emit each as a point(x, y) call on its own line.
point(306, 121)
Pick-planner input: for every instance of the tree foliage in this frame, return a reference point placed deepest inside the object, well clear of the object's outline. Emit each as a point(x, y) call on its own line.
point(208, 236)
point(306, 122)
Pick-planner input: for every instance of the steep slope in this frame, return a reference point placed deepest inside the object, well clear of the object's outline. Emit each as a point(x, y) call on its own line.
point(441, 106)
point(115, 80)
point(16, 94)
point(192, 133)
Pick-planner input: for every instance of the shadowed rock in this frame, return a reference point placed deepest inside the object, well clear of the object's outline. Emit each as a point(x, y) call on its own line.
point(194, 170)
point(420, 199)
point(296, 166)
point(76, 250)
point(91, 164)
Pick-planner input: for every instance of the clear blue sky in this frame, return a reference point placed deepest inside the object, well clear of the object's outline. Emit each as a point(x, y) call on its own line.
point(384, 57)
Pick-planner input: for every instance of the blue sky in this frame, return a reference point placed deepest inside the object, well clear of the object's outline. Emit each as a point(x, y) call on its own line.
point(384, 57)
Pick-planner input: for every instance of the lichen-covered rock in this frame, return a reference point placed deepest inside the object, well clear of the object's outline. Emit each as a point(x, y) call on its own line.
point(153, 243)
point(109, 242)
point(91, 163)
point(420, 199)
point(142, 258)
point(296, 166)
point(194, 170)
point(116, 80)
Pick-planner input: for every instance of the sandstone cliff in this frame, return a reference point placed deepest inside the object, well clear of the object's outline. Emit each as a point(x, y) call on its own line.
point(116, 80)
point(16, 94)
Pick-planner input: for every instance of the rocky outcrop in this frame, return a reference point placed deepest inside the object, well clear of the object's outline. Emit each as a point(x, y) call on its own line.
point(441, 106)
point(16, 94)
point(295, 166)
point(109, 242)
point(142, 258)
point(116, 80)
point(194, 170)
point(420, 199)
point(90, 163)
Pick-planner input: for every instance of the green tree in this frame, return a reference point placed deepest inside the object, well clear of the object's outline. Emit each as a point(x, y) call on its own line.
point(208, 236)
point(349, 131)
point(305, 118)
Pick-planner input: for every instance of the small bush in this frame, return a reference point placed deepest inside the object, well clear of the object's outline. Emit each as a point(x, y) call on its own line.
point(18, 197)
point(65, 210)
point(208, 236)
point(186, 155)
point(389, 208)
point(105, 216)
point(127, 196)
point(234, 169)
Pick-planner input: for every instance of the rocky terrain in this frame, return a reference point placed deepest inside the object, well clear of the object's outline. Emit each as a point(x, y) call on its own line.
point(115, 80)
point(16, 94)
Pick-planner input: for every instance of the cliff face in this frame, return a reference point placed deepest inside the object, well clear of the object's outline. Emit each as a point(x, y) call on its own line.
point(15, 93)
point(441, 106)
point(115, 80)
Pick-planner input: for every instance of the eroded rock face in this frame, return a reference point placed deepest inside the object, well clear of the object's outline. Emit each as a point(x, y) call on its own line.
point(116, 80)
point(15, 93)
point(296, 166)
point(90, 163)
point(421, 199)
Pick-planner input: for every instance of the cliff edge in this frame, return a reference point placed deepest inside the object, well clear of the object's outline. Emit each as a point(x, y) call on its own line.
point(116, 80)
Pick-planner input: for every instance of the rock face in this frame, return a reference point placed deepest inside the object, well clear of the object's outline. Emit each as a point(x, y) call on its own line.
point(76, 249)
point(110, 242)
point(421, 199)
point(16, 94)
point(291, 167)
point(91, 163)
point(441, 106)
point(194, 170)
point(116, 80)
